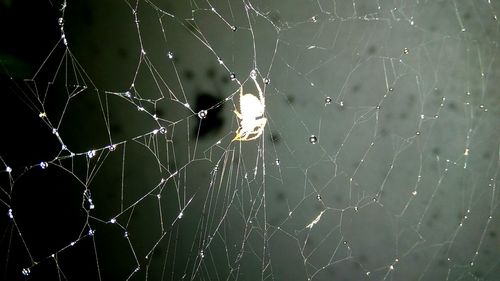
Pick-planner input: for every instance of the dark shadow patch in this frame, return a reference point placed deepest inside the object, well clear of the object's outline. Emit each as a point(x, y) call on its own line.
point(122, 53)
point(436, 215)
point(275, 137)
point(280, 196)
point(356, 88)
point(478, 274)
point(411, 100)
point(452, 106)
point(371, 50)
point(487, 155)
point(213, 122)
point(189, 74)
point(467, 16)
point(115, 129)
point(225, 80)
point(160, 113)
point(383, 132)
point(211, 73)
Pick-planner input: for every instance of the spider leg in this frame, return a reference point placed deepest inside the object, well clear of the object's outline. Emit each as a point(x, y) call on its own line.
point(261, 94)
point(238, 114)
point(239, 136)
point(258, 132)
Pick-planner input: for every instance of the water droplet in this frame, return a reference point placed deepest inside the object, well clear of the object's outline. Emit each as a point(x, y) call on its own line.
point(163, 130)
point(202, 114)
point(267, 81)
point(344, 242)
point(170, 55)
point(417, 133)
point(232, 76)
point(328, 100)
point(277, 162)
point(202, 254)
point(113, 220)
point(234, 28)
point(406, 51)
point(220, 61)
point(125, 234)
point(9, 213)
point(181, 214)
point(43, 165)
point(91, 232)
point(253, 74)
point(112, 147)
point(8, 169)
point(318, 197)
point(91, 153)
point(313, 139)
point(26, 271)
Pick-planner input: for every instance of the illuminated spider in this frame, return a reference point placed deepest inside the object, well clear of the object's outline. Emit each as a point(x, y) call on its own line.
point(251, 115)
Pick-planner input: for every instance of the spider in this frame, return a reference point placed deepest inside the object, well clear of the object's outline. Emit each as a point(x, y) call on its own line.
point(251, 115)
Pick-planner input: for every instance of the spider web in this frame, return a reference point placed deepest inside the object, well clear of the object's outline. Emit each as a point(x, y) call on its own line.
point(379, 160)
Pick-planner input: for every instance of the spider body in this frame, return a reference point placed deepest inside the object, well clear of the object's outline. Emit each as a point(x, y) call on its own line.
point(251, 114)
